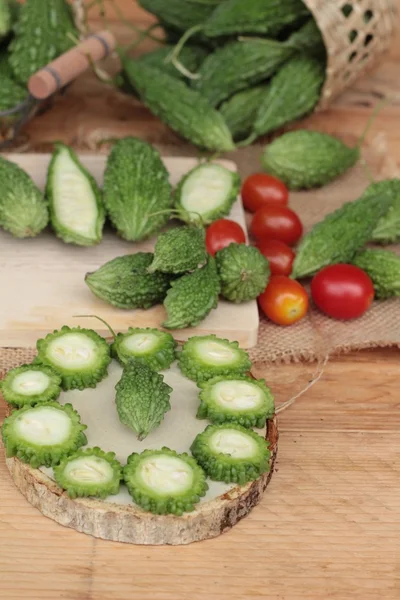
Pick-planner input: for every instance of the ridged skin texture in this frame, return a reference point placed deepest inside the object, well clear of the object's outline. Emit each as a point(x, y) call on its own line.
point(269, 17)
point(338, 237)
point(136, 185)
point(68, 235)
point(237, 66)
point(23, 209)
point(190, 57)
point(383, 267)
point(387, 230)
point(11, 93)
point(224, 467)
point(79, 489)
point(159, 358)
point(241, 109)
point(214, 412)
point(35, 454)
point(193, 366)
point(243, 272)
point(51, 393)
point(293, 92)
point(142, 398)
point(309, 39)
point(5, 19)
point(180, 14)
point(150, 500)
point(306, 159)
point(82, 378)
point(42, 34)
point(126, 283)
point(179, 250)
point(183, 109)
point(192, 297)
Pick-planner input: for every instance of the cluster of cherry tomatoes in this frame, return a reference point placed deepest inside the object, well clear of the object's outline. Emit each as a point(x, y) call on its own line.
point(340, 291)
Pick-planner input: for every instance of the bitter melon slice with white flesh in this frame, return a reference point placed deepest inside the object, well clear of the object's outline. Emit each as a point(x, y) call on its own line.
point(151, 346)
point(76, 208)
point(43, 434)
point(30, 384)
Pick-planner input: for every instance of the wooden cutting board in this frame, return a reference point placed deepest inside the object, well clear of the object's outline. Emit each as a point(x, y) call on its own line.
point(42, 279)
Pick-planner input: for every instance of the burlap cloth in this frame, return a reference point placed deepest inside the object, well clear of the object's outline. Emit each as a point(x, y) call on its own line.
point(316, 336)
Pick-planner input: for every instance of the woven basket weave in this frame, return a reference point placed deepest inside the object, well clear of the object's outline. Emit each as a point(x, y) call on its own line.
point(357, 33)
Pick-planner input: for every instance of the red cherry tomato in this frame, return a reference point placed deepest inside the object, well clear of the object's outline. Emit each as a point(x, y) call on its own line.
point(279, 255)
point(277, 222)
point(261, 189)
point(342, 291)
point(221, 233)
point(284, 300)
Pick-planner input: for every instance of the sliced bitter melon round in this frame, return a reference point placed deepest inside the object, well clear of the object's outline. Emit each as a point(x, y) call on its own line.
point(80, 356)
point(206, 193)
point(231, 453)
point(43, 434)
point(204, 357)
point(236, 399)
point(164, 482)
point(89, 472)
point(30, 384)
point(153, 347)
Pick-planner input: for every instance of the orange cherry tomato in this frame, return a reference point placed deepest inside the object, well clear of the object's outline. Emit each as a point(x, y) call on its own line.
point(284, 301)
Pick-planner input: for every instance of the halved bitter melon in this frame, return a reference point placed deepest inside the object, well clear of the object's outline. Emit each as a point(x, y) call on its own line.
point(231, 453)
point(153, 347)
point(236, 399)
point(164, 482)
point(80, 356)
point(43, 434)
point(89, 472)
point(30, 384)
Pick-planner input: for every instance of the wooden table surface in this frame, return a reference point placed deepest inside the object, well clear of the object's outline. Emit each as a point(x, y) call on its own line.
point(329, 524)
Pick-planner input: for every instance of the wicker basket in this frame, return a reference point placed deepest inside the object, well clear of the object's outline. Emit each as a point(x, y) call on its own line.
point(356, 33)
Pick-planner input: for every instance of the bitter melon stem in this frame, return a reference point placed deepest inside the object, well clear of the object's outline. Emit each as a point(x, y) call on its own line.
point(110, 329)
point(173, 56)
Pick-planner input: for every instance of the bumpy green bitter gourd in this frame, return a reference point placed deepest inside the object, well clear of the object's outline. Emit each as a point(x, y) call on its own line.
point(387, 230)
point(243, 272)
point(383, 267)
point(179, 250)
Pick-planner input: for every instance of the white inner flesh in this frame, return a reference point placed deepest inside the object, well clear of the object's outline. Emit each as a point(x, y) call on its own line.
point(74, 201)
point(166, 474)
point(235, 443)
point(44, 426)
point(237, 395)
point(89, 469)
point(30, 383)
point(140, 343)
point(72, 351)
point(215, 353)
point(206, 189)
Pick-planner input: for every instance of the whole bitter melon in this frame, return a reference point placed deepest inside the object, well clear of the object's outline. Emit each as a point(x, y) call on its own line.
point(5, 19)
point(243, 272)
point(11, 94)
point(383, 267)
point(306, 159)
point(185, 110)
point(341, 234)
point(387, 230)
point(180, 14)
point(240, 110)
point(179, 250)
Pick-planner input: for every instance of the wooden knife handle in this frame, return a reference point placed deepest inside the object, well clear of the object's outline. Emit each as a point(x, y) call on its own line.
point(69, 65)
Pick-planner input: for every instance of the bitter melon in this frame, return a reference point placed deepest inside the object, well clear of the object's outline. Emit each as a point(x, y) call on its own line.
point(126, 283)
point(23, 210)
point(243, 272)
point(231, 453)
point(11, 94)
point(238, 65)
point(30, 384)
point(75, 200)
point(205, 357)
point(89, 472)
point(180, 14)
point(308, 39)
point(236, 399)
point(153, 347)
point(192, 297)
point(387, 230)
point(136, 185)
point(179, 250)
point(240, 111)
point(383, 267)
point(43, 434)
point(44, 31)
point(80, 356)
point(190, 57)
point(292, 93)
point(338, 237)
point(183, 109)
point(165, 482)
point(306, 159)
point(5, 19)
point(142, 398)
point(206, 193)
